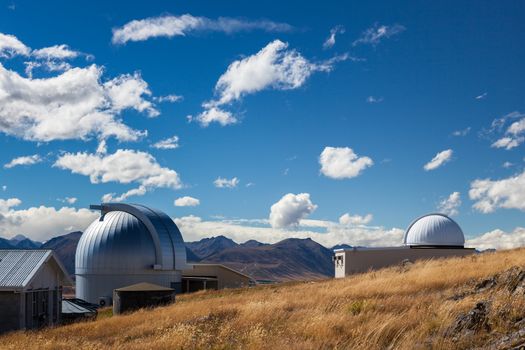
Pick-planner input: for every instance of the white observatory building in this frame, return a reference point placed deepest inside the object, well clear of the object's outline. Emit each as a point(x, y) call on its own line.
point(429, 236)
point(128, 244)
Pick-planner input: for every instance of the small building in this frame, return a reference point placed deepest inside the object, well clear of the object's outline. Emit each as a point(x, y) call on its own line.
point(141, 295)
point(201, 276)
point(31, 284)
point(429, 236)
point(74, 310)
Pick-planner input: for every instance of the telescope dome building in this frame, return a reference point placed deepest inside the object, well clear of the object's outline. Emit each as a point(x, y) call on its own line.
point(430, 236)
point(128, 244)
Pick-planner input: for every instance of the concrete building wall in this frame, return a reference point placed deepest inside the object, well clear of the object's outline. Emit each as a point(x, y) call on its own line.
point(351, 261)
point(91, 287)
point(10, 317)
point(226, 277)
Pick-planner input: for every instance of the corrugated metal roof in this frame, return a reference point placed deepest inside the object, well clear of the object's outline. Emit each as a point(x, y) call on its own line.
point(70, 307)
point(17, 267)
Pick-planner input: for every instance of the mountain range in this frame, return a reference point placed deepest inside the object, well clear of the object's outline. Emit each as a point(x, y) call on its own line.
point(290, 259)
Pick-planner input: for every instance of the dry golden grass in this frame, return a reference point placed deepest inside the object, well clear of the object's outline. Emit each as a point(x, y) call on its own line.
point(390, 308)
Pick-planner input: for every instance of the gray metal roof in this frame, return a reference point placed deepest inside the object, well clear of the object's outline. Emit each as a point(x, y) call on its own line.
point(18, 267)
point(70, 307)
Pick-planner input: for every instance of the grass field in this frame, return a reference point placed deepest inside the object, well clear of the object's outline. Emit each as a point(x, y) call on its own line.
point(407, 307)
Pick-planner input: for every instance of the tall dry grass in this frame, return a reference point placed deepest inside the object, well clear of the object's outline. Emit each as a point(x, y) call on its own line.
point(392, 308)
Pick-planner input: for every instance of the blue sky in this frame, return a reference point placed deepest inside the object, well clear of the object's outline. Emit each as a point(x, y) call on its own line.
point(401, 83)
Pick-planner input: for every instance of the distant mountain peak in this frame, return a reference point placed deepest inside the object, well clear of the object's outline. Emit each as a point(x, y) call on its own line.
point(252, 243)
point(208, 246)
point(17, 238)
point(22, 242)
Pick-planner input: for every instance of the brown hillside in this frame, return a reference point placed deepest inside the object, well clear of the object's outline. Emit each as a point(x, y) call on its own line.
point(476, 301)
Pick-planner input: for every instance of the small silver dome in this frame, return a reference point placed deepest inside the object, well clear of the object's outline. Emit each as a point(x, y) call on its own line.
point(434, 230)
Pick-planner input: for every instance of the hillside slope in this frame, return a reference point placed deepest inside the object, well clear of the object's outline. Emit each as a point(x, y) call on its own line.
point(459, 303)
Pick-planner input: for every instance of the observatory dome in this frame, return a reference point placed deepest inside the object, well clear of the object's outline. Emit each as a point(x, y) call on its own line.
point(117, 241)
point(128, 244)
point(434, 230)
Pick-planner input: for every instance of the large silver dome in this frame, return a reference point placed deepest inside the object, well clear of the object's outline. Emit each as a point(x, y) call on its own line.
point(128, 244)
point(434, 230)
point(117, 242)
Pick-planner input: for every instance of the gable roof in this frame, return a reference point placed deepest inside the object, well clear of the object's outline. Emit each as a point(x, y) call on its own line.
point(19, 267)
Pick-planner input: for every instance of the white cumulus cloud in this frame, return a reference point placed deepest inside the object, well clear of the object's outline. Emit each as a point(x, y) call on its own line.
point(10, 46)
point(72, 105)
point(274, 67)
point(506, 193)
point(221, 182)
point(24, 160)
point(508, 142)
point(498, 239)
point(290, 209)
point(124, 166)
point(53, 59)
point(513, 135)
point(342, 163)
point(170, 26)
point(356, 220)
point(439, 159)
point(6, 204)
point(127, 91)
point(41, 223)
point(450, 204)
point(61, 52)
point(186, 201)
point(214, 115)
